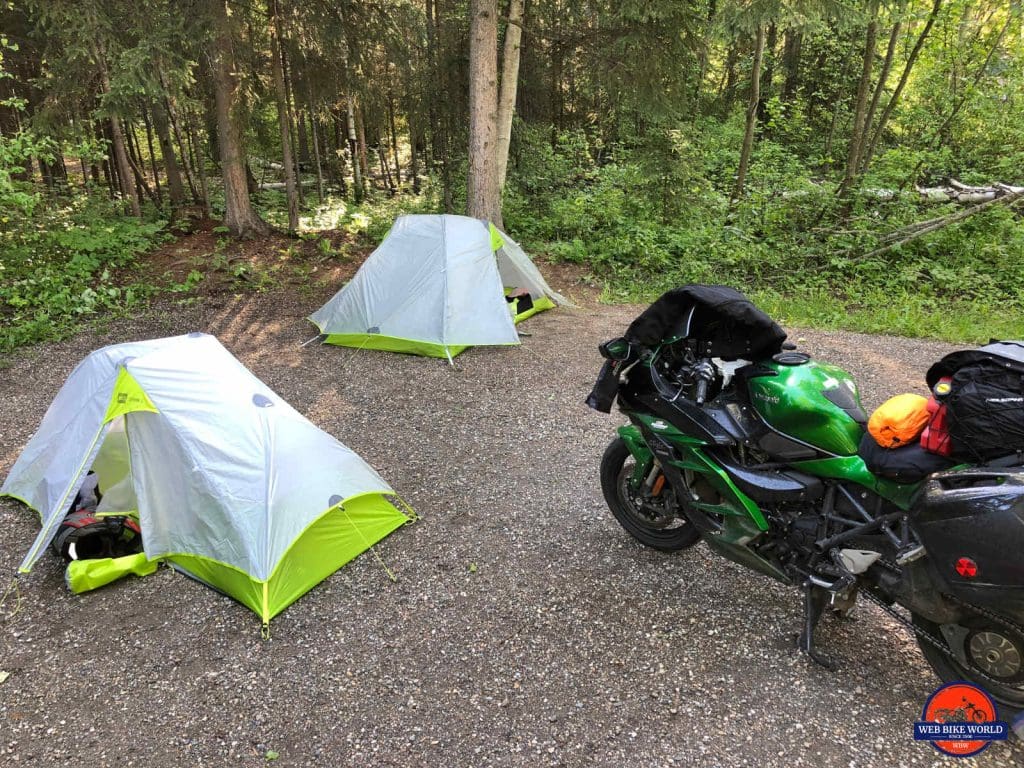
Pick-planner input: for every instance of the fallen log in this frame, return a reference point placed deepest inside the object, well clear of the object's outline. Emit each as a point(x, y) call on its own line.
point(914, 231)
point(965, 193)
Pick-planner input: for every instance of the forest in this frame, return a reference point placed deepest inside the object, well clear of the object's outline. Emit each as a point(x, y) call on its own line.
point(848, 163)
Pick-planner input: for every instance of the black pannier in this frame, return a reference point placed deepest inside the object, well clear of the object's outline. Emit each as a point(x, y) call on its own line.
point(985, 405)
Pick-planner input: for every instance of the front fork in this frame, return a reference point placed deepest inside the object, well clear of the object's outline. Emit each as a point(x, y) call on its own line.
point(647, 473)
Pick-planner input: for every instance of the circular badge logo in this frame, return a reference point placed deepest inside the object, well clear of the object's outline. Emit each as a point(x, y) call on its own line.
point(959, 719)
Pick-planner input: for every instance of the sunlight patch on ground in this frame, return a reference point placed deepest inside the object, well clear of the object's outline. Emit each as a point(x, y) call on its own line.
point(329, 403)
point(330, 214)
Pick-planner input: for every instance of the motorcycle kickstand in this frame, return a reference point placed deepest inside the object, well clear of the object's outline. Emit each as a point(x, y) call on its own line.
point(815, 600)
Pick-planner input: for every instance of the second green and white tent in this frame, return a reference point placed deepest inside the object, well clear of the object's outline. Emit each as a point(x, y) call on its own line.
point(436, 285)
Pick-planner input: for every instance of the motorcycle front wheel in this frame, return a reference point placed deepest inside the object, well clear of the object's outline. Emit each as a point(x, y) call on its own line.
point(995, 657)
point(652, 519)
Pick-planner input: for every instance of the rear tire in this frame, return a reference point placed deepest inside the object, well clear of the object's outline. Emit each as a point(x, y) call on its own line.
point(1009, 699)
point(664, 530)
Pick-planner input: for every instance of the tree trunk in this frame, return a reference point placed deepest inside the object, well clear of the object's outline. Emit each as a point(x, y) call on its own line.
point(394, 138)
point(123, 168)
point(291, 111)
point(883, 76)
point(98, 166)
point(382, 155)
point(704, 52)
point(336, 158)
point(316, 154)
point(414, 166)
point(755, 96)
point(200, 164)
point(282, 116)
point(768, 75)
point(438, 121)
point(251, 184)
point(557, 105)
point(727, 92)
point(361, 131)
point(175, 190)
point(358, 188)
point(152, 157)
point(100, 133)
point(435, 128)
point(791, 63)
point(117, 139)
point(860, 107)
point(904, 77)
point(509, 88)
point(303, 131)
point(171, 112)
point(109, 174)
point(837, 107)
point(239, 216)
point(482, 194)
point(135, 163)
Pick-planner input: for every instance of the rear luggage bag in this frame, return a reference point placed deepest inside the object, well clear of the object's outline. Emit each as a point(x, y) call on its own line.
point(985, 405)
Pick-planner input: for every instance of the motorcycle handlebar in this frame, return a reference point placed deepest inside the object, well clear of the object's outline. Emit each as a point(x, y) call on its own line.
point(702, 391)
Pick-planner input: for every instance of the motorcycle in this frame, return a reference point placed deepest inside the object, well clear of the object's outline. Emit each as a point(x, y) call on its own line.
point(738, 440)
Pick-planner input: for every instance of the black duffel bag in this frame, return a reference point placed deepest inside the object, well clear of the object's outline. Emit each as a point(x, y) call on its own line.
point(985, 405)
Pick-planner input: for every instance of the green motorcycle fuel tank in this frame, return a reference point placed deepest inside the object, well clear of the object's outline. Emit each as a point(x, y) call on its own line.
point(815, 403)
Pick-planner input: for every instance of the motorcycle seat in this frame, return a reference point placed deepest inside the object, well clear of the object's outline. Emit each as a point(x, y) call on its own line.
point(907, 464)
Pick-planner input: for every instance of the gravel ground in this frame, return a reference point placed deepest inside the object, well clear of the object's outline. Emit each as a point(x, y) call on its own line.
point(525, 627)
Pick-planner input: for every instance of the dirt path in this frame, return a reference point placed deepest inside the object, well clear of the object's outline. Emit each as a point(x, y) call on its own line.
point(525, 628)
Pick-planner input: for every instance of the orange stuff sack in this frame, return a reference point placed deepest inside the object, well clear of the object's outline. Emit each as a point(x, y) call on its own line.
point(899, 420)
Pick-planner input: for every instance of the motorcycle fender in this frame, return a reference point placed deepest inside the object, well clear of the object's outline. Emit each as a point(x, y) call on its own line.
point(641, 453)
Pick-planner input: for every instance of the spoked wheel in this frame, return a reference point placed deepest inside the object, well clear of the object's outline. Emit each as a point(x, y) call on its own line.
point(994, 656)
point(650, 512)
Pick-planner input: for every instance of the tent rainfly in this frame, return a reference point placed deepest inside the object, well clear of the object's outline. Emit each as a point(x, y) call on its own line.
point(436, 285)
point(230, 484)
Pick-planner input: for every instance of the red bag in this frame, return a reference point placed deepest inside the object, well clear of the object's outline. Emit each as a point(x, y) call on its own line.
point(935, 437)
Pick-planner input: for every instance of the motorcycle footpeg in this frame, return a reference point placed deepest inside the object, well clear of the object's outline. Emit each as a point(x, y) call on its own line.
point(840, 585)
point(909, 555)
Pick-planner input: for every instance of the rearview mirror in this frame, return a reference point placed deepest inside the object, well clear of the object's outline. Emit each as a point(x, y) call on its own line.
point(616, 349)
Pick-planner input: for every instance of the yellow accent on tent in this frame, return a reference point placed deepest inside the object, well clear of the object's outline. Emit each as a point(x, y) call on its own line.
point(340, 534)
point(496, 239)
point(127, 396)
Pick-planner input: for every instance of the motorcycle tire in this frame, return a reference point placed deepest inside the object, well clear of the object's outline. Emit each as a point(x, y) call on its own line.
point(669, 534)
point(1009, 699)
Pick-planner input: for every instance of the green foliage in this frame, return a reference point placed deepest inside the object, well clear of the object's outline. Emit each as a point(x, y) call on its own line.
point(643, 227)
point(193, 278)
point(65, 264)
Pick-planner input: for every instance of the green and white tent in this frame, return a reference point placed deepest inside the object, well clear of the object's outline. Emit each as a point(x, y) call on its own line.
point(436, 285)
point(230, 484)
